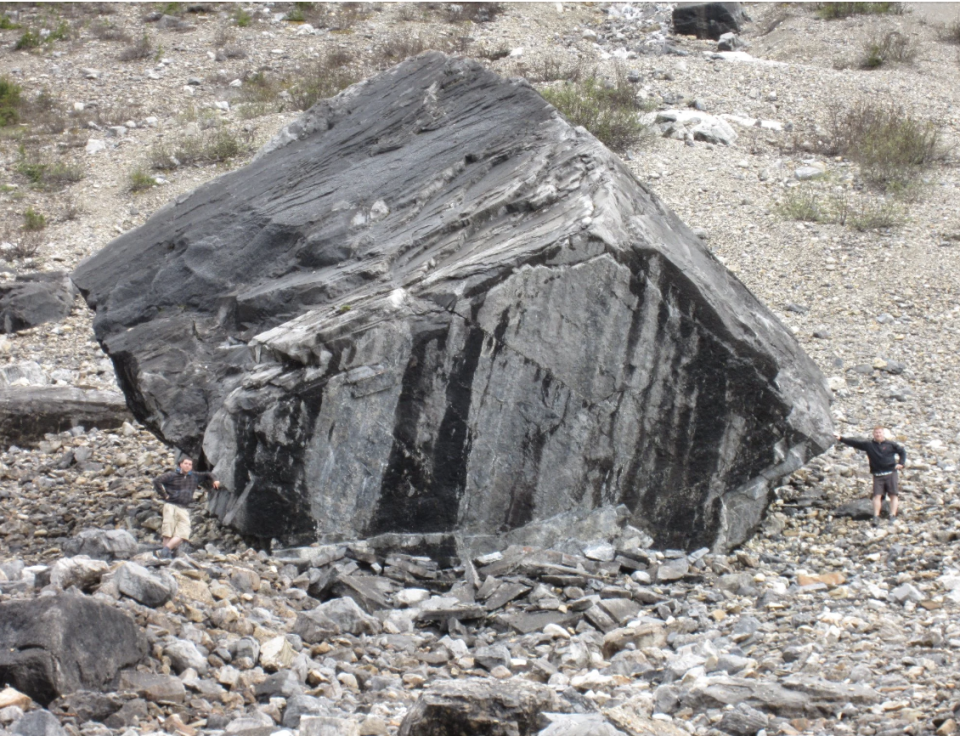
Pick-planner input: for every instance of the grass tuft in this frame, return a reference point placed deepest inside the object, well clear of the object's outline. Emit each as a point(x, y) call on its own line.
point(29, 40)
point(138, 51)
point(607, 111)
point(45, 174)
point(10, 100)
point(106, 31)
point(838, 11)
point(33, 221)
point(215, 145)
point(894, 46)
point(862, 214)
point(140, 180)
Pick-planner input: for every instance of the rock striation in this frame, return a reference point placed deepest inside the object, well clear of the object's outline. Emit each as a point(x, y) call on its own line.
point(431, 305)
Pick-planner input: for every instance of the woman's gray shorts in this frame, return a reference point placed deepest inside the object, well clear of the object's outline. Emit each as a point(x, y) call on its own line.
point(886, 485)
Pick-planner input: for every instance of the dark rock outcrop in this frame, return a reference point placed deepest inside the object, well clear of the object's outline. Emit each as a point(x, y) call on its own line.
point(34, 298)
point(59, 644)
point(431, 305)
point(706, 20)
point(29, 412)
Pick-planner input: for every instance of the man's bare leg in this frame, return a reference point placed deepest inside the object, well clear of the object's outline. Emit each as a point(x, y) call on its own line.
point(877, 505)
point(171, 543)
point(894, 505)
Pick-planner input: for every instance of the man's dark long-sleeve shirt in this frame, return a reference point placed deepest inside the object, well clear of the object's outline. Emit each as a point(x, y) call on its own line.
point(883, 456)
point(178, 488)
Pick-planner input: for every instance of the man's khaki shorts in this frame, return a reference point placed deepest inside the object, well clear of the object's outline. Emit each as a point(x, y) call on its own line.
point(176, 521)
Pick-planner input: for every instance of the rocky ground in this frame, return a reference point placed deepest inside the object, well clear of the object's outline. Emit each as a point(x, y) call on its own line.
point(821, 624)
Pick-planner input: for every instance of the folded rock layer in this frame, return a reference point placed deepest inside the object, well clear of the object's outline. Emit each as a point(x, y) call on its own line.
point(432, 305)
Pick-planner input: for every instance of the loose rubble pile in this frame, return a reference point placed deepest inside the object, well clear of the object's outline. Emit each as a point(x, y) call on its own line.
point(822, 624)
point(341, 636)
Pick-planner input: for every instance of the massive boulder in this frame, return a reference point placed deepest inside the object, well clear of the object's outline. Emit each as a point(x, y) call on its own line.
point(58, 644)
point(432, 305)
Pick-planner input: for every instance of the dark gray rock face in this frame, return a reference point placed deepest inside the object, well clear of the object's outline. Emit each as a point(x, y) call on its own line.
point(29, 412)
point(59, 644)
point(35, 298)
point(706, 20)
point(431, 305)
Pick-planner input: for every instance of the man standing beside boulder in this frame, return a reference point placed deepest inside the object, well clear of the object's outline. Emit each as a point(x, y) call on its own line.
point(177, 488)
point(885, 458)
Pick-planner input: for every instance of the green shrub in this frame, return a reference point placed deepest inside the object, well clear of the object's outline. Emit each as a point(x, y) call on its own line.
point(9, 101)
point(32, 39)
point(894, 46)
point(860, 213)
point(295, 14)
point(892, 147)
point(174, 9)
point(216, 145)
point(803, 205)
point(324, 79)
point(61, 32)
point(6, 24)
point(836, 11)
point(29, 40)
point(242, 18)
point(141, 180)
point(607, 111)
point(33, 220)
point(44, 174)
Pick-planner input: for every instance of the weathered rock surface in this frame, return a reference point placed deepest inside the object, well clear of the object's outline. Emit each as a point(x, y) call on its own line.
point(35, 298)
point(706, 20)
point(57, 644)
point(28, 413)
point(474, 318)
point(452, 707)
point(103, 544)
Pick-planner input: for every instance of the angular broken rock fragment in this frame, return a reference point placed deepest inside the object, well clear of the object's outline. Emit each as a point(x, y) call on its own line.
point(103, 544)
point(78, 572)
point(479, 706)
point(150, 589)
point(339, 616)
point(34, 298)
point(154, 688)
point(473, 320)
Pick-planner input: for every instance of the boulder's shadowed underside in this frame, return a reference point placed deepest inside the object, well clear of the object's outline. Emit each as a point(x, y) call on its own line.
point(432, 305)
